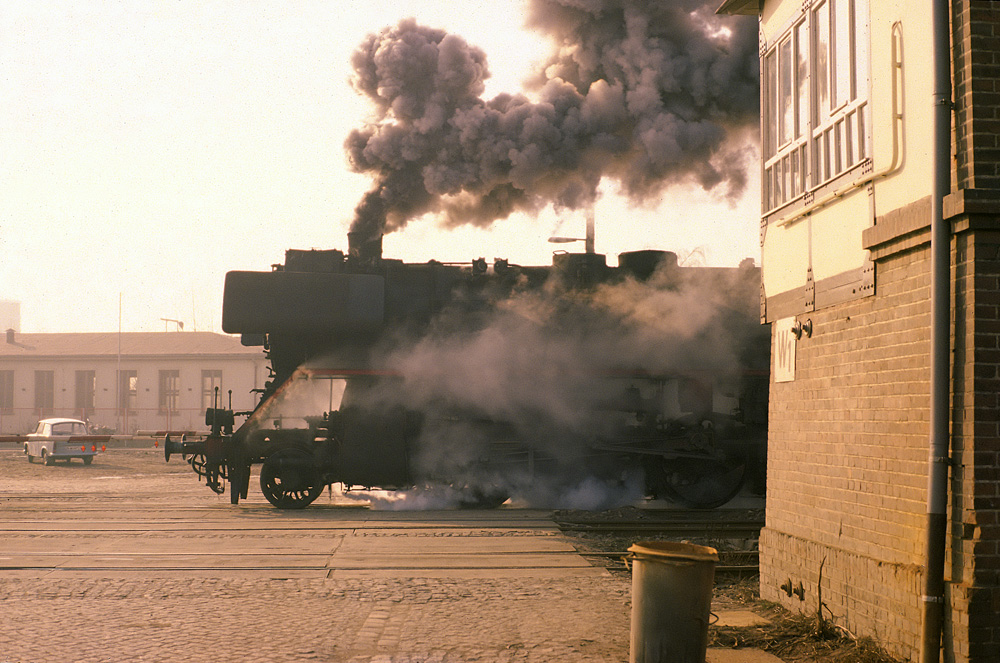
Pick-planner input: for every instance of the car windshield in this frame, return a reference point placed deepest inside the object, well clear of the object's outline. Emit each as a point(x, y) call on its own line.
point(69, 428)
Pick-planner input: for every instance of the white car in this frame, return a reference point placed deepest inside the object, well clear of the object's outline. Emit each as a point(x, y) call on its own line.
point(62, 439)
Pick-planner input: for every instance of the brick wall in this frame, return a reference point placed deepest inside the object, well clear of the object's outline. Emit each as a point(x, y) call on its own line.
point(975, 485)
point(975, 210)
point(848, 456)
point(847, 459)
point(848, 438)
point(848, 446)
point(976, 37)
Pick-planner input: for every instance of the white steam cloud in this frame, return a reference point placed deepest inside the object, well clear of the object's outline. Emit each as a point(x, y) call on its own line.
point(546, 371)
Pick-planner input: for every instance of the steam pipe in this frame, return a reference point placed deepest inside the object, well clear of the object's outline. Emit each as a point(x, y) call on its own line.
point(938, 460)
point(589, 237)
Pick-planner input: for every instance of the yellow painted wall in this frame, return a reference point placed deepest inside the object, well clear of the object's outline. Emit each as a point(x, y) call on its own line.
point(836, 235)
point(913, 180)
point(785, 257)
point(775, 17)
point(830, 238)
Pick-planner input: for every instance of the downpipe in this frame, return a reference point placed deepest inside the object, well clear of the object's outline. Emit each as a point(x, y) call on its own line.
point(933, 598)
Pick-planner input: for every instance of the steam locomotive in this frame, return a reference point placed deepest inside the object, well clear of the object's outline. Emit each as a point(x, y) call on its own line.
point(492, 378)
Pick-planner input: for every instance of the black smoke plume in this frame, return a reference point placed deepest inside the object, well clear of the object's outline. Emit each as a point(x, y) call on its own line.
point(649, 94)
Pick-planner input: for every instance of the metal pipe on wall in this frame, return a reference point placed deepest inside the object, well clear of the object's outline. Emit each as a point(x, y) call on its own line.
point(938, 459)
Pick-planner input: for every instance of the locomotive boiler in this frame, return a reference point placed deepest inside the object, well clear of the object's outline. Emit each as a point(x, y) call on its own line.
point(492, 378)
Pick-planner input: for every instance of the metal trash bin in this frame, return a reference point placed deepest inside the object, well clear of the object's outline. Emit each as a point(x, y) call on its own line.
point(671, 601)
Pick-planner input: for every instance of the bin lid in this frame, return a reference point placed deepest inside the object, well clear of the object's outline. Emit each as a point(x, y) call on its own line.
point(674, 550)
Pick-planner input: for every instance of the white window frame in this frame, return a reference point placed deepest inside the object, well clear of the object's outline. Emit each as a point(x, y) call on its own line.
point(799, 159)
point(128, 391)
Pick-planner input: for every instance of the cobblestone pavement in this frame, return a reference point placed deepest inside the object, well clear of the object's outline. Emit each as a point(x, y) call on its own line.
point(86, 575)
point(352, 620)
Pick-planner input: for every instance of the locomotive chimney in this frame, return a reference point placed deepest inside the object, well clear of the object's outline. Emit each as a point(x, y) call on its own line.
point(363, 247)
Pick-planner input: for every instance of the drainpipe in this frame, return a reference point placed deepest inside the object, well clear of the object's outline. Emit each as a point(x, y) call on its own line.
point(938, 460)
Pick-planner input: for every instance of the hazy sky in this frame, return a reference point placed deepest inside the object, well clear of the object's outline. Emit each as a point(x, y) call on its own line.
point(147, 147)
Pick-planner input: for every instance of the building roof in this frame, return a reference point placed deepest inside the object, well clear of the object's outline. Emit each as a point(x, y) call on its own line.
point(132, 344)
point(743, 7)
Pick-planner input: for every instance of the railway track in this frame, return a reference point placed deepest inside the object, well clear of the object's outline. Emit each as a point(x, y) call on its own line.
point(694, 528)
point(738, 562)
point(719, 523)
point(604, 538)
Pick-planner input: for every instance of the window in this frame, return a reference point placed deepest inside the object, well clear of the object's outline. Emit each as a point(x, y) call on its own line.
point(6, 392)
point(128, 391)
point(69, 428)
point(170, 391)
point(210, 381)
point(86, 388)
point(815, 101)
point(45, 391)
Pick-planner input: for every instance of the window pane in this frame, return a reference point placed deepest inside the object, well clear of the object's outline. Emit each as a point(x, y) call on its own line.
point(767, 198)
point(862, 134)
point(44, 390)
point(128, 390)
point(795, 174)
point(770, 106)
point(822, 59)
point(843, 49)
point(827, 159)
point(838, 147)
point(861, 48)
point(849, 139)
point(786, 109)
point(6, 391)
point(86, 388)
point(802, 77)
point(803, 160)
point(815, 158)
point(776, 184)
point(169, 391)
point(210, 381)
point(786, 192)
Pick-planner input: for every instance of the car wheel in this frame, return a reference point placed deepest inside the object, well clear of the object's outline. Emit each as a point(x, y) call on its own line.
point(87, 460)
point(46, 459)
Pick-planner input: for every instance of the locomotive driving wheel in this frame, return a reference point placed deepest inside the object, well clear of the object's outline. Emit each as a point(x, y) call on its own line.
point(288, 481)
point(702, 482)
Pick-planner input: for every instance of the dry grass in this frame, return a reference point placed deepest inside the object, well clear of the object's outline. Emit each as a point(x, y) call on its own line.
point(790, 637)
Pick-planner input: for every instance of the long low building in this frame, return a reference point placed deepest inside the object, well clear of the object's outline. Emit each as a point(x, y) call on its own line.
point(125, 381)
